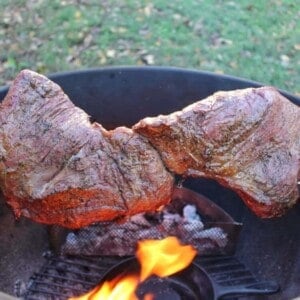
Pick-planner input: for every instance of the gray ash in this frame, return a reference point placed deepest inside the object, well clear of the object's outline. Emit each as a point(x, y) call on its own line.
point(112, 238)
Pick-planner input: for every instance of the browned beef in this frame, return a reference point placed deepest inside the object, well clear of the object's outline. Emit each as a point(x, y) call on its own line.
point(248, 140)
point(58, 168)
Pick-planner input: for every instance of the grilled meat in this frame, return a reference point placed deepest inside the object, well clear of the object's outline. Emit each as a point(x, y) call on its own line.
point(58, 168)
point(247, 140)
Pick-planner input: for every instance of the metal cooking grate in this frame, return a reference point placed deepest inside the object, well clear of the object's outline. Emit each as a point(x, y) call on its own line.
point(63, 277)
point(227, 271)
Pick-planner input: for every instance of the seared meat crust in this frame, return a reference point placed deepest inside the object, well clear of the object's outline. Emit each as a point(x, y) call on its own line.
point(248, 140)
point(58, 168)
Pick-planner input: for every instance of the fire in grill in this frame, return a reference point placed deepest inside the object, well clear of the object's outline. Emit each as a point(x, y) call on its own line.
point(191, 217)
point(67, 276)
point(208, 277)
point(269, 248)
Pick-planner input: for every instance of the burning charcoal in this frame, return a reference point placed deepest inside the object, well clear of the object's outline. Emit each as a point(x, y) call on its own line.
point(140, 219)
point(190, 212)
point(168, 217)
point(154, 217)
point(193, 225)
point(216, 234)
point(171, 226)
point(151, 233)
point(72, 240)
point(121, 239)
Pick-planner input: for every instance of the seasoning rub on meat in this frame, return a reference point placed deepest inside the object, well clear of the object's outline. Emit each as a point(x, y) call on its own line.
point(58, 168)
point(247, 140)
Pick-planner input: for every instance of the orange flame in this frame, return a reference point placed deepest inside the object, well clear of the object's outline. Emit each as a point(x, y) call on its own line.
point(148, 297)
point(157, 257)
point(121, 287)
point(163, 257)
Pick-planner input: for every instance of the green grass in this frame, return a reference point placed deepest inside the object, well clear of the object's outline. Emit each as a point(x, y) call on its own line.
point(258, 40)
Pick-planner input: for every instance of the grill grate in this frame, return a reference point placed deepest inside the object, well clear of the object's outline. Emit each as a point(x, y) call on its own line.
point(63, 277)
point(227, 271)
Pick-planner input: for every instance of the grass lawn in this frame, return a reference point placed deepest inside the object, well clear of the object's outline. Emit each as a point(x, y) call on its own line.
point(259, 40)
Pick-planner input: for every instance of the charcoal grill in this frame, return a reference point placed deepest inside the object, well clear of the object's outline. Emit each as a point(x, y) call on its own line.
point(218, 236)
point(206, 279)
point(121, 96)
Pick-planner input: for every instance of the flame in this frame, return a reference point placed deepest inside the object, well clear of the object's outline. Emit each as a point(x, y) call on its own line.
point(157, 257)
point(121, 287)
point(163, 257)
point(148, 297)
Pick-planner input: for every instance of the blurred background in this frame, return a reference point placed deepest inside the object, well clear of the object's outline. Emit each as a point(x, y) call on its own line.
point(258, 40)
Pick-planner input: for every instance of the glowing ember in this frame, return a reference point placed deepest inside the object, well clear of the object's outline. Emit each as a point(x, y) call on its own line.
point(157, 257)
